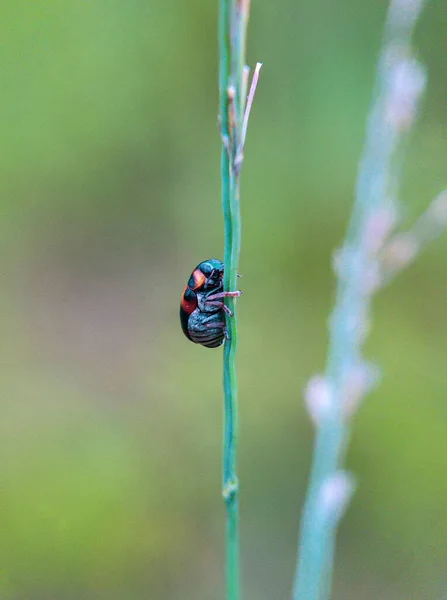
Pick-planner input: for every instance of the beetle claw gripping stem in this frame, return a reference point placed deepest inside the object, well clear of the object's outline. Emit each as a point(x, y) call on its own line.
point(235, 294)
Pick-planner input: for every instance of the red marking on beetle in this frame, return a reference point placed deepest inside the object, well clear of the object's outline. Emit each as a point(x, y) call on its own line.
point(199, 279)
point(188, 306)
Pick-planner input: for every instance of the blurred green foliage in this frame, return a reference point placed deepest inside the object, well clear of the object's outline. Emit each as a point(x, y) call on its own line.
point(110, 422)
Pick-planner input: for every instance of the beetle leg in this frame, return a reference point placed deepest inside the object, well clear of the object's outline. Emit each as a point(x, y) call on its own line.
point(215, 325)
point(227, 310)
point(235, 294)
point(221, 305)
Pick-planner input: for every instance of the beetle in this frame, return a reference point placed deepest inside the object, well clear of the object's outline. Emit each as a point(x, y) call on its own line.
point(202, 310)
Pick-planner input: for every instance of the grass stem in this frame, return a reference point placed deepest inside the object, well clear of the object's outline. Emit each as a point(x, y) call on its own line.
point(233, 74)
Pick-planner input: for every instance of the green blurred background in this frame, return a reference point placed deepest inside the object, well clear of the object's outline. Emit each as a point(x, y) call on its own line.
point(110, 422)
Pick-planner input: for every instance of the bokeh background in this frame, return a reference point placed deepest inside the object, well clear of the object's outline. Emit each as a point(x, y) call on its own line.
point(110, 420)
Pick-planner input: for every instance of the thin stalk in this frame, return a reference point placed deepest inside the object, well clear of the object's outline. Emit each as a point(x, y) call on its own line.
point(233, 20)
point(399, 83)
point(231, 255)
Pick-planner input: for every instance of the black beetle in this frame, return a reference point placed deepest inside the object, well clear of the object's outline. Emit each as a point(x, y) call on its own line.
point(202, 308)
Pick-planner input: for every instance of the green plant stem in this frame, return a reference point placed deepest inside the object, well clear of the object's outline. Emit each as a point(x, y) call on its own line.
point(233, 17)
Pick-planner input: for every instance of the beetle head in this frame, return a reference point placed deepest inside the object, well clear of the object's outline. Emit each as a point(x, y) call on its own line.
point(207, 275)
point(213, 269)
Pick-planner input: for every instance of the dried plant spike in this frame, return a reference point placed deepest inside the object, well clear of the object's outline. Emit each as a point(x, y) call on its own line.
point(250, 98)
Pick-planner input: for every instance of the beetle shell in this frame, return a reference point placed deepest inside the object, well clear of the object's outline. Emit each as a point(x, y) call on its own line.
point(203, 323)
point(207, 328)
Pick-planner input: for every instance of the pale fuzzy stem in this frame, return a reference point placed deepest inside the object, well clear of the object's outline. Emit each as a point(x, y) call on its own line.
point(333, 397)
